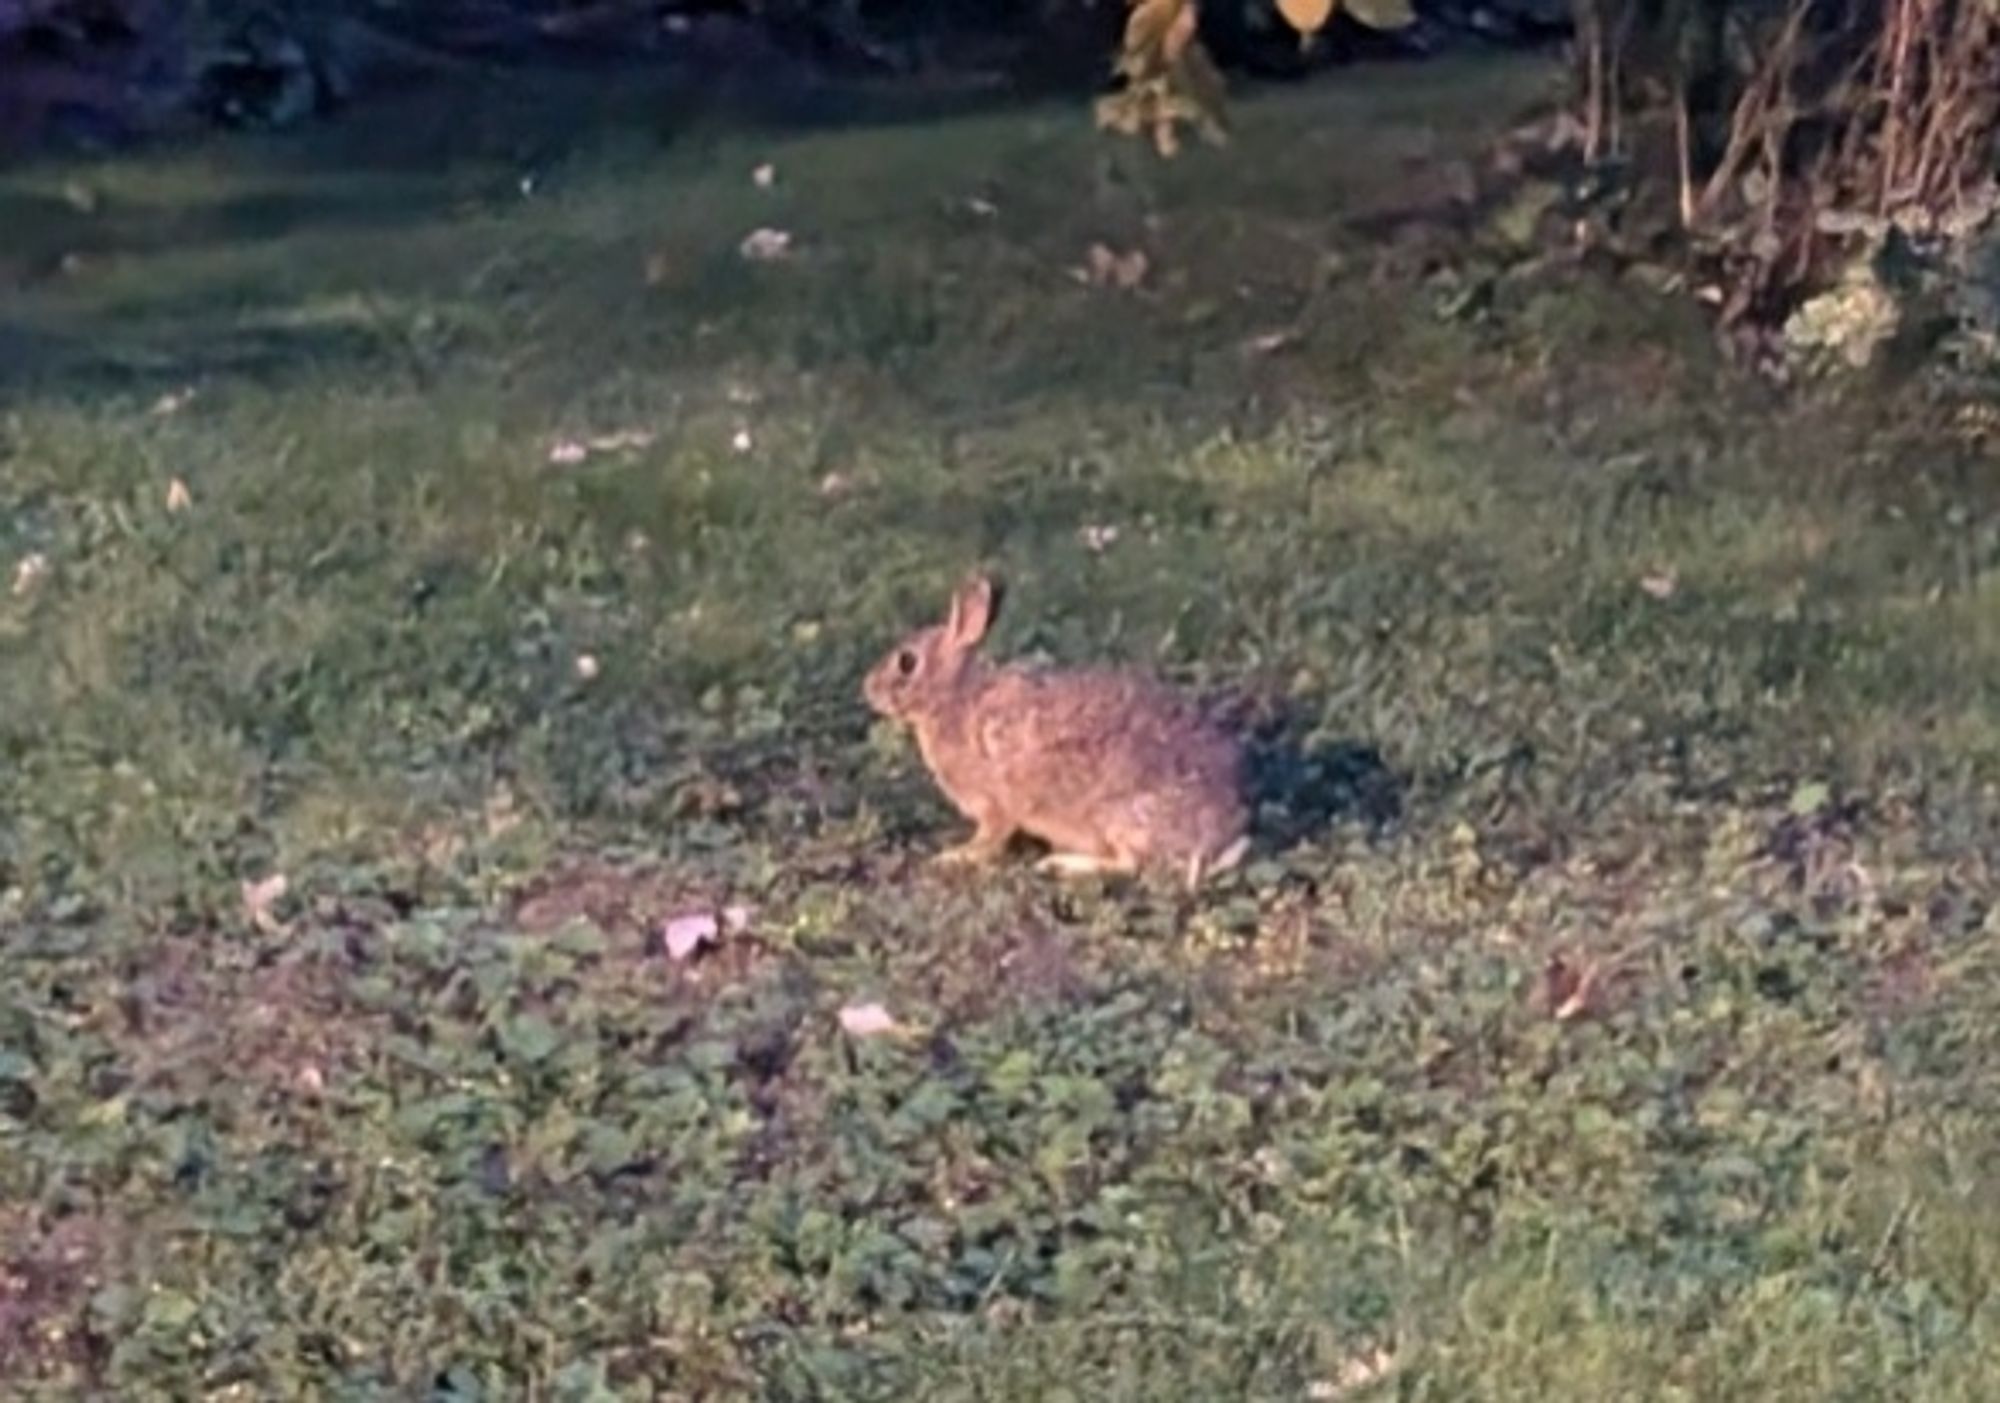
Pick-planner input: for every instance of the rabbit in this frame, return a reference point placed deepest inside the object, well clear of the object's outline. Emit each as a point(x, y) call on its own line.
point(1112, 770)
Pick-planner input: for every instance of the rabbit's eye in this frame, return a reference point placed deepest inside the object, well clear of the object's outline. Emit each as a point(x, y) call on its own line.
point(906, 662)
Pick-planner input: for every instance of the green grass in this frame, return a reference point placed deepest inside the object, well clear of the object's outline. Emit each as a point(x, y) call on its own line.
point(443, 1123)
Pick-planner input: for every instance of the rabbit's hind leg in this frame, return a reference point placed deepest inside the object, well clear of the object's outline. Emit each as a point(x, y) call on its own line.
point(1087, 865)
point(988, 841)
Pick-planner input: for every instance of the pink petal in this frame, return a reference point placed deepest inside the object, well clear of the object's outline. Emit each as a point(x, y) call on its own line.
point(683, 935)
point(867, 1021)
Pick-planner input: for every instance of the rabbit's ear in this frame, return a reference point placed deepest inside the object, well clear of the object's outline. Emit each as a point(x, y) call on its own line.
point(972, 610)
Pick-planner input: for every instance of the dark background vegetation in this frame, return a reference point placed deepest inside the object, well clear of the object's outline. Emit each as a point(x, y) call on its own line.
point(1766, 140)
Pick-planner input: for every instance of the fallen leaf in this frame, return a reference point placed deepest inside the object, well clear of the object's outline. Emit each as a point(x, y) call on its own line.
point(621, 439)
point(1123, 271)
point(835, 485)
point(1356, 1373)
point(736, 919)
point(1567, 989)
point(501, 816)
point(1660, 584)
point(259, 897)
point(681, 936)
point(1306, 16)
point(1579, 997)
point(766, 245)
point(31, 570)
point(1271, 342)
point(867, 1021)
point(570, 451)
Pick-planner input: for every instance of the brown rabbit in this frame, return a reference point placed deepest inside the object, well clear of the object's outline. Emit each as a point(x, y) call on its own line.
point(1110, 769)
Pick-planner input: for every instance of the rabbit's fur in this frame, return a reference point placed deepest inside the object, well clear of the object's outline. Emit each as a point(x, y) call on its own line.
point(1112, 770)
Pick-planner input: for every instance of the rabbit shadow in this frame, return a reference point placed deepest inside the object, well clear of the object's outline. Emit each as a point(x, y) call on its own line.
point(1304, 783)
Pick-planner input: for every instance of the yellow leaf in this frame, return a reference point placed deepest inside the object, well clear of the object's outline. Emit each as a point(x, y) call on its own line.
point(1306, 16)
point(1382, 14)
point(1147, 29)
point(1179, 35)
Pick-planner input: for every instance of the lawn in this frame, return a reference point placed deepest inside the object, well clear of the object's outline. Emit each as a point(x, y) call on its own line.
point(437, 565)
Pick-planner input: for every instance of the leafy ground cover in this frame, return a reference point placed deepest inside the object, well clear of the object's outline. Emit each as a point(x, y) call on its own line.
point(439, 566)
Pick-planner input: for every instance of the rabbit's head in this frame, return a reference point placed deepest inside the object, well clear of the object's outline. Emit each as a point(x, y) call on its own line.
point(926, 671)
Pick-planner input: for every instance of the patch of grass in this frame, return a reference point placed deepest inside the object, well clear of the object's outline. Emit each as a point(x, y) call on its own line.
point(1608, 1012)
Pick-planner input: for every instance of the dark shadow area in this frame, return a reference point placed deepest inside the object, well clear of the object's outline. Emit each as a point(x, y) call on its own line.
point(45, 229)
point(536, 116)
point(744, 67)
point(77, 368)
point(1305, 783)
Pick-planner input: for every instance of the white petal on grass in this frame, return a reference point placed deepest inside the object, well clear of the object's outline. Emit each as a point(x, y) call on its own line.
point(868, 1021)
point(1271, 342)
point(260, 896)
point(685, 934)
point(1355, 1374)
point(179, 499)
point(765, 176)
point(1108, 268)
point(766, 245)
point(620, 439)
point(568, 452)
point(587, 667)
point(30, 571)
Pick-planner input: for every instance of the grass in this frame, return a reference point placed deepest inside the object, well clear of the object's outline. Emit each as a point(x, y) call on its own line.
point(1609, 1011)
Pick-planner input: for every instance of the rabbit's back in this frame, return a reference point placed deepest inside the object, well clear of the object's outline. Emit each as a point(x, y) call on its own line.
point(1106, 758)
